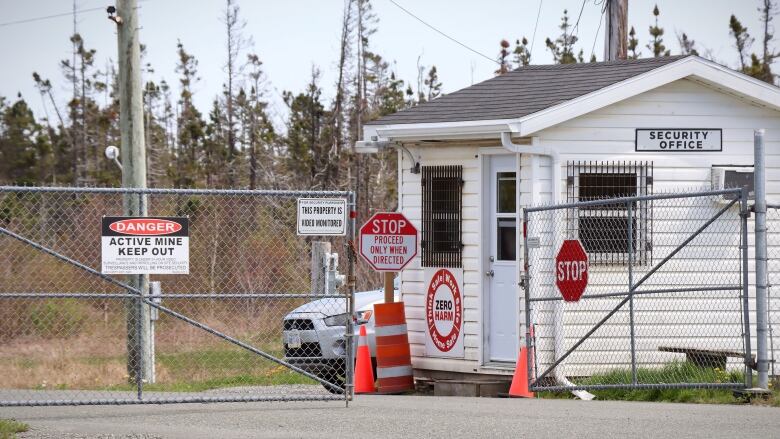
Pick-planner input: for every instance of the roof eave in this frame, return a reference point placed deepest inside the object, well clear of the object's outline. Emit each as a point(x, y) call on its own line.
point(441, 130)
point(696, 68)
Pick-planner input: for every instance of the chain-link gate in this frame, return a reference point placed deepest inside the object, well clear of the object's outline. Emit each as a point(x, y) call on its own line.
point(773, 290)
point(243, 325)
point(666, 304)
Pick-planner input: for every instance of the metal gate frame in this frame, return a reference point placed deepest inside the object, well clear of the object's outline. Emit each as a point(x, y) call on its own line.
point(142, 299)
point(740, 198)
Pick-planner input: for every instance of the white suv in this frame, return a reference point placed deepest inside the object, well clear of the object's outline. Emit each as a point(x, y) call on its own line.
point(313, 334)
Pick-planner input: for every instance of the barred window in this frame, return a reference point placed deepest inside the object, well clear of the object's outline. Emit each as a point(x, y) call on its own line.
point(603, 229)
point(441, 216)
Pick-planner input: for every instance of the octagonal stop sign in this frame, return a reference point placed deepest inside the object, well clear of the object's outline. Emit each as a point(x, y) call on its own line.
point(571, 270)
point(388, 241)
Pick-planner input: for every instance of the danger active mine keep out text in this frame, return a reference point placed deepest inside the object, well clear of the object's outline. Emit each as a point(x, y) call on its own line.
point(136, 246)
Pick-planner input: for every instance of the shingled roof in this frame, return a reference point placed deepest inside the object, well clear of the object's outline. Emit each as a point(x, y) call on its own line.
point(524, 91)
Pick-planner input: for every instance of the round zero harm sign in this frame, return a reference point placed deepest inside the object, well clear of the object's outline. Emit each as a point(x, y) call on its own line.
point(444, 310)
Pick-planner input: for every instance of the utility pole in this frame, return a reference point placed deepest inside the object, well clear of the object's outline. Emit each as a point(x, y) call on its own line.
point(616, 34)
point(131, 125)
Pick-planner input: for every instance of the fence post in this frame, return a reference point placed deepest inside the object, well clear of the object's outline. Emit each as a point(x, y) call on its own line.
point(527, 287)
point(759, 176)
point(349, 248)
point(319, 250)
point(744, 213)
point(630, 232)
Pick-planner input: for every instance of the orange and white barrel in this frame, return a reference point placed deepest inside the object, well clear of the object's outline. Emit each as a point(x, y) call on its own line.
point(393, 358)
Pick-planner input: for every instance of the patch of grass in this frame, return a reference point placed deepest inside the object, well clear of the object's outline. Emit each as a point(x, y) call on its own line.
point(9, 428)
point(195, 371)
point(681, 372)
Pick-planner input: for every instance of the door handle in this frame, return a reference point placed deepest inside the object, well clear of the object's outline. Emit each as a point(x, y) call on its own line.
point(490, 273)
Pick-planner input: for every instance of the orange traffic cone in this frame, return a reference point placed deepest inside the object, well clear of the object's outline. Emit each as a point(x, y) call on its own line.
point(364, 374)
point(519, 387)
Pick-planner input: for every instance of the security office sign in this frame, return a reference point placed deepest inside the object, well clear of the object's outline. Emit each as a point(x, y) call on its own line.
point(145, 245)
point(444, 312)
point(322, 216)
point(679, 139)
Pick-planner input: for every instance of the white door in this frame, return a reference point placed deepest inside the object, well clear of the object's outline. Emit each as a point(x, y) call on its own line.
point(502, 259)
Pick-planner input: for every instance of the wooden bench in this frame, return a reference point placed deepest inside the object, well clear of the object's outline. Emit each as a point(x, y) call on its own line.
point(712, 358)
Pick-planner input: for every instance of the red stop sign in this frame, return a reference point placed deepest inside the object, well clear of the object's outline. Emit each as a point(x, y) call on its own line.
point(388, 241)
point(571, 270)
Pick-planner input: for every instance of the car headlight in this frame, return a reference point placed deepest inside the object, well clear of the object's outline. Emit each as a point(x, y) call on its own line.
point(337, 320)
point(362, 317)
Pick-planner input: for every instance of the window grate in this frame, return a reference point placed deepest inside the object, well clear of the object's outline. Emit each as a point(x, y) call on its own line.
point(603, 229)
point(442, 202)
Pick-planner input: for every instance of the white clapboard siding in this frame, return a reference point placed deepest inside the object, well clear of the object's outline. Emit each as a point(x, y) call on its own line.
point(413, 278)
point(709, 320)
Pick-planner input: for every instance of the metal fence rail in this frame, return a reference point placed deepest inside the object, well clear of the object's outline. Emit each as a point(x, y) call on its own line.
point(217, 334)
point(676, 317)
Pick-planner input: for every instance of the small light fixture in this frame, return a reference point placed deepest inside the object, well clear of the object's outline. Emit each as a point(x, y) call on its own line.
point(112, 153)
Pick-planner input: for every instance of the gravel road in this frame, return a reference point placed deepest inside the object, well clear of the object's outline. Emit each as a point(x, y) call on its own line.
point(403, 417)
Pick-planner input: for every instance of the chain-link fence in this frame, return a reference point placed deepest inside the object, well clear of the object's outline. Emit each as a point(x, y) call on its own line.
point(773, 292)
point(664, 304)
point(243, 325)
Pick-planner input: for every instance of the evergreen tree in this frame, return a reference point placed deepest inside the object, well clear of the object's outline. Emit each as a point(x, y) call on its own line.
point(433, 84)
point(522, 53)
point(657, 43)
point(304, 151)
point(768, 54)
point(503, 61)
point(25, 152)
point(190, 127)
point(687, 46)
point(742, 40)
point(633, 43)
point(563, 47)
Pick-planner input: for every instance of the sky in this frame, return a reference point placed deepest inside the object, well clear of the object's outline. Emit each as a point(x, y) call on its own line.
point(292, 36)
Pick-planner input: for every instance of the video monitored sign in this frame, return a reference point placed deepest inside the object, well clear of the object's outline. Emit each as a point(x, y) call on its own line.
point(322, 216)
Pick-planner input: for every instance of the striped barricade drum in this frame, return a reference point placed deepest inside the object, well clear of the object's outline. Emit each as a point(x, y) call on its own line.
point(394, 361)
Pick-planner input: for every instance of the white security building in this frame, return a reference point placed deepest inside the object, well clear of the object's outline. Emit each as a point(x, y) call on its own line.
point(471, 160)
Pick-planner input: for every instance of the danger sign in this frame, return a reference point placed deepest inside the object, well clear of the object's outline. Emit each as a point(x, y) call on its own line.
point(322, 216)
point(388, 241)
point(444, 312)
point(145, 245)
point(571, 270)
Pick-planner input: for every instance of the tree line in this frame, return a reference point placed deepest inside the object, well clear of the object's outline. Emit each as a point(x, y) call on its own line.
point(236, 142)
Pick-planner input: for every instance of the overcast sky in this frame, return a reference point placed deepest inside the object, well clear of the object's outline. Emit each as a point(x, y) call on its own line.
point(292, 35)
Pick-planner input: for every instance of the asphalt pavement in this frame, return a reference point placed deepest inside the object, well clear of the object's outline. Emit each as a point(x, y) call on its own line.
point(371, 416)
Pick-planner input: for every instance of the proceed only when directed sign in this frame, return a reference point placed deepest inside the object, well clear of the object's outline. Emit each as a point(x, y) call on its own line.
point(679, 139)
point(322, 216)
point(145, 245)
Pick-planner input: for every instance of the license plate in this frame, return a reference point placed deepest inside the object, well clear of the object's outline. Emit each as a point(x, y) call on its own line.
point(293, 339)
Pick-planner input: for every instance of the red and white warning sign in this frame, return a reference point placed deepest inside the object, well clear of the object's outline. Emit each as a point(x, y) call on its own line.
point(145, 245)
point(388, 241)
point(571, 270)
point(444, 312)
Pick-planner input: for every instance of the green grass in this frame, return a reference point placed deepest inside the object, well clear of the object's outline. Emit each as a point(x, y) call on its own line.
point(672, 373)
point(195, 371)
point(9, 428)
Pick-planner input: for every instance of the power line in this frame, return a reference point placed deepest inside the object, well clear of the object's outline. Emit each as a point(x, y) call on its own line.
point(442, 33)
point(577, 24)
point(601, 18)
point(538, 14)
point(47, 17)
